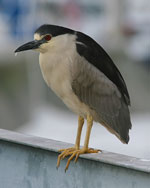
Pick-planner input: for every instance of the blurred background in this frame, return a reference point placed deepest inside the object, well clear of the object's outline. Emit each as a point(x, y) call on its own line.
point(27, 105)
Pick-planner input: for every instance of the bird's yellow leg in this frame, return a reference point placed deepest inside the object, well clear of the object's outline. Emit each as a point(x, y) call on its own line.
point(70, 151)
point(85, 148)
point(80, 126)
point(76, 151)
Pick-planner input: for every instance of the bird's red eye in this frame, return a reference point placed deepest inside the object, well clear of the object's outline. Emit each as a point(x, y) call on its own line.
point(47, 37)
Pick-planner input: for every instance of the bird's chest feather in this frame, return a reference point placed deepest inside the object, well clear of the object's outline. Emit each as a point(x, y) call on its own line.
point(56, 73)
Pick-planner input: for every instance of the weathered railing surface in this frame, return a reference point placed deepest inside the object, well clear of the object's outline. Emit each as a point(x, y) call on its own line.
point(30, 162)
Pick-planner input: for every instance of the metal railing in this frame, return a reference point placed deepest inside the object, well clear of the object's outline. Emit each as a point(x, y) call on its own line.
point(30, 162)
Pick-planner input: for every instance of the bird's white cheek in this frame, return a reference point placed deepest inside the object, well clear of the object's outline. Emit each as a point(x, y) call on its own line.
point(46, 47)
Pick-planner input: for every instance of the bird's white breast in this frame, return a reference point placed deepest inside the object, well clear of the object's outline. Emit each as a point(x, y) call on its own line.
point(56, 73)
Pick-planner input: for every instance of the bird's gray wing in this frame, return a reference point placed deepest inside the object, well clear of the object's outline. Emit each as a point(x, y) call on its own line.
point(93, 88)
point(98, 57)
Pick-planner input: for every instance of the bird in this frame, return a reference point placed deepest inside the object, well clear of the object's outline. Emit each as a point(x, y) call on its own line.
point(84, 77)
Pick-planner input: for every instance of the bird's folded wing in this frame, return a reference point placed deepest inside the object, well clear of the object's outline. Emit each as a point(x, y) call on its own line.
point(94, 89)
point(98, 57)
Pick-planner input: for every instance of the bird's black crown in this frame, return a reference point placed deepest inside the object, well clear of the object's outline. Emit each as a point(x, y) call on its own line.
point(53, 30)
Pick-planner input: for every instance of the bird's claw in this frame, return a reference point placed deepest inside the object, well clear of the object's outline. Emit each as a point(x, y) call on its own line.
point(73, 152)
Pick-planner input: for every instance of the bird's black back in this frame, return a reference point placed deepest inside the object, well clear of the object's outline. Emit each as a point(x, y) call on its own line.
point(97, 56)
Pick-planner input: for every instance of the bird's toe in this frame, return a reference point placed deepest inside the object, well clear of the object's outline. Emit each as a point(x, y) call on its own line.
point(73, 152)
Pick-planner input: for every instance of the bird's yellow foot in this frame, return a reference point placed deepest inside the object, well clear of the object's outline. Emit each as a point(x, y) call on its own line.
point(73, 152)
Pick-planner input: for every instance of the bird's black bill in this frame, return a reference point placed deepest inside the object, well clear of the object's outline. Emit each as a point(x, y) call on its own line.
point(29, 46)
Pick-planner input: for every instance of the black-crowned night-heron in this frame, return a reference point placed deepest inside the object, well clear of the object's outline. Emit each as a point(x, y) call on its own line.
point(83, 75)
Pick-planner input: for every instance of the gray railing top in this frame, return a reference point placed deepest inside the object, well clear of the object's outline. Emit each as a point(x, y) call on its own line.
point(52, 145)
